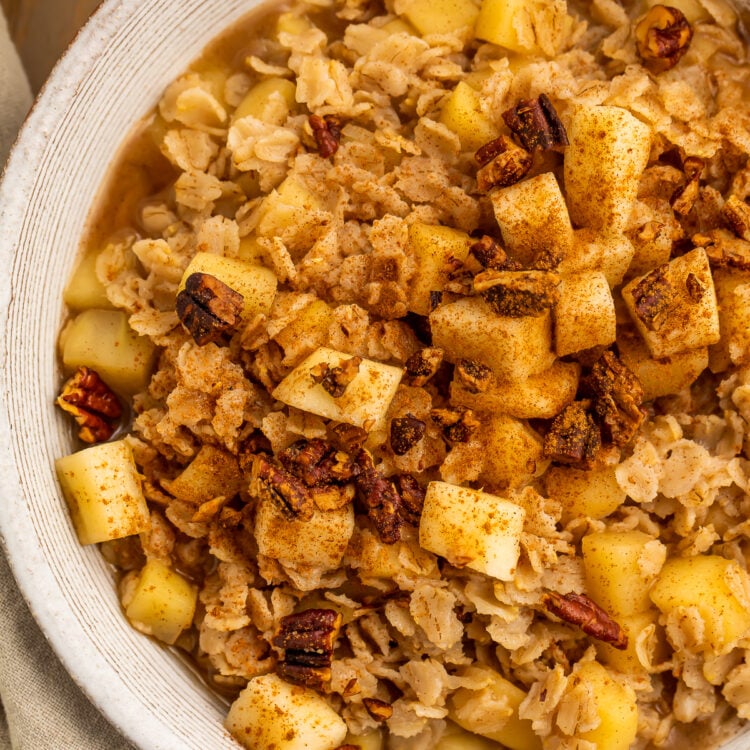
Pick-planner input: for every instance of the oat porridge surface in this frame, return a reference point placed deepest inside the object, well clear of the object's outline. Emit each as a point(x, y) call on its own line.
point(411, 344)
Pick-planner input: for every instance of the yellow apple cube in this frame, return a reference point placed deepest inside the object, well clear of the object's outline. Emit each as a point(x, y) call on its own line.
point(84, 290)
point(462, 112)
point(102, 488)
point(594, 493)
point(271, 100)
point(441, 16)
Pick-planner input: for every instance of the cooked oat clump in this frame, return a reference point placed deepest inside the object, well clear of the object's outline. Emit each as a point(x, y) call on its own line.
point(430, 321)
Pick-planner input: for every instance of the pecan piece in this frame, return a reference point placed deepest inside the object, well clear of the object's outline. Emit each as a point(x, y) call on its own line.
point(458, 425)
point(736, 215)
point(307, 639)
point(490, 255)
point(423, 364)
point(662, 37)
point(473, 376)
point(92, 404)
point(412, 498)
point(695, 288)
point(289, 494)
point(653, 296)
point(507, 165)
point(349, 437)
point(537, 124)
point(518, 294)
point(723, 249)
point(208, 308)
point(683, 199)
point(617, 396)
point(335, 380)
point(406, 432)
point(379, 710)
point(327, 133)
point(578, 609)
point(316, 462)
point(574, 437)
point(380, 498)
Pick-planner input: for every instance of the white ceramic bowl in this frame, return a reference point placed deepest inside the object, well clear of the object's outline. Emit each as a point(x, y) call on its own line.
point(112, 75)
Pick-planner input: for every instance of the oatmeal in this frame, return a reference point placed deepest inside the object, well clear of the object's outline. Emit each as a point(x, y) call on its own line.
point(414, 364)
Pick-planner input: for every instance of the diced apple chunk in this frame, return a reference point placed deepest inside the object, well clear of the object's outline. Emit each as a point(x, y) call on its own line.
point(256, 284)
point(533, 218)
point(433, 247)
point(626, 660)
point(469, 709)
point(584, 314)
point(364, 402)
point(212, 473)
point(103, 490)
point(84, 290)
point(609, 253)
point(594, 493)
point(309, 329)
point(513, 348)
point(687, 316)
point(609, 149)
point(462, 112)
point(270, 714)
point(162, 603)
point(733, 297)
point(714, 586)
point(271, 100)
point(512, 451)
point(290, 540)
point(620, 567)
point(472, 528)
point(441, 16)
point(104, 341)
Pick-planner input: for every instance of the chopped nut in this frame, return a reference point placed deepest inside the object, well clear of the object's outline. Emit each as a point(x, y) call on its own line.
point(423, 364)
point(573, 437)
point(652, 297)
point(537, 124)
point(281, 486)
point(723, 249)
point(490, 255)
point(335, 380)
point(683, 199)
point(406, 432)
point(308, 639)
point(517, 294)
point(256, 443)
point(695, 288)
point(617, 396)
point(208, 308)
point(662, 37)
point(412, 498)
point(332, 496)
point(316, 462)
point(379, 710)
point(380, 498)
point(458, 424)
point(327, 133)
point(579, 610)
point(435, 299)
point(93, 405)
point(473, 376)
point(736, 214)
point(547, 259)
point(507, 164)
point(349, 437)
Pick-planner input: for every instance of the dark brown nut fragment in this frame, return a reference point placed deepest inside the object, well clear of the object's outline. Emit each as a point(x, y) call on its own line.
point(327, 133)
point(316, 462)
point(473, 376)
point(547, 259)
point(578, 609)
point(435, 299)
point(307, 639)
point(412, 498)
point(507, 165)
point(92, 404)
point(694, 287)
point(490, 255)
point(617, 396)
point(458, 425)
point(536, 124)
point(574, 437)
point(348, 747)
point(280, 486)
point(517, 294)
point(423, 364)
point(349, 437)
point(736, 215)
point(208, 308)
point(335, 380)
point(379, 710)
point(653, 296)
point(379, 497)
point(723, 249)
point(683, 199)
point(662, 37)
point(406, 432)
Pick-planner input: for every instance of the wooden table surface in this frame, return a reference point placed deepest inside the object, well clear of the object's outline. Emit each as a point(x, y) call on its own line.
point(42, 29)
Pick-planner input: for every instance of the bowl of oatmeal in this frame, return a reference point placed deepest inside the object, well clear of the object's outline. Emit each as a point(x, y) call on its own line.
point(386, 385)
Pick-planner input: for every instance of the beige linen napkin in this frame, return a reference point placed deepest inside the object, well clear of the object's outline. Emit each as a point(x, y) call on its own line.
point(40, 706)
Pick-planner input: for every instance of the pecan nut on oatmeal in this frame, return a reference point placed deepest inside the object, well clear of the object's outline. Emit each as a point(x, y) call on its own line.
point(430, 322)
